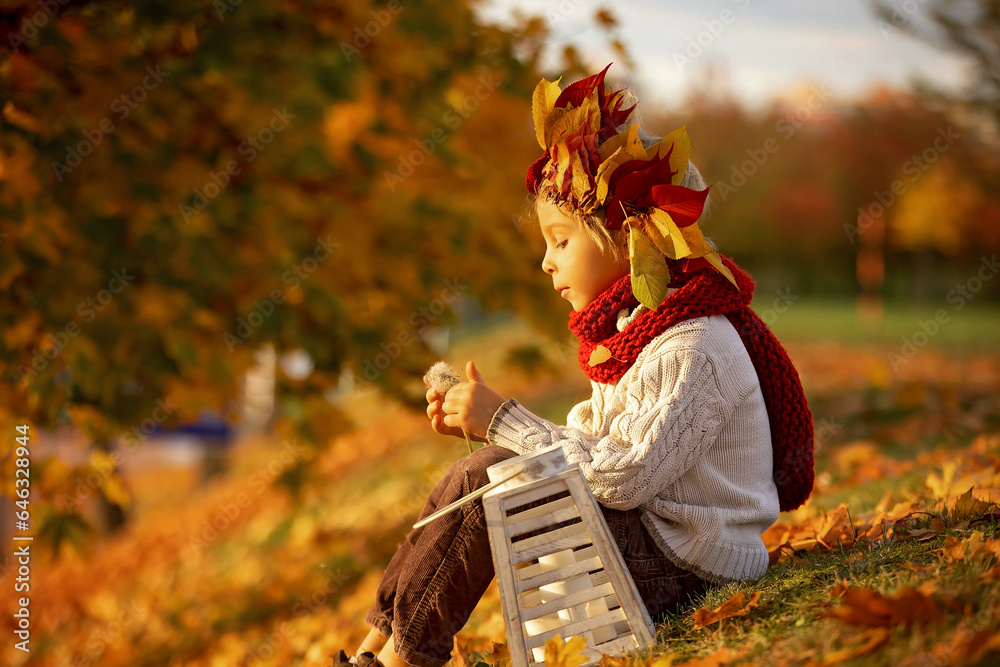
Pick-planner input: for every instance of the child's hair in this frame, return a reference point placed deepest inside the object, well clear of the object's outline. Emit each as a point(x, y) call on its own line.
point(615, 241)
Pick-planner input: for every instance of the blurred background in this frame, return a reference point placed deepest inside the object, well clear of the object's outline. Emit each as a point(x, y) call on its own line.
point(234, 235)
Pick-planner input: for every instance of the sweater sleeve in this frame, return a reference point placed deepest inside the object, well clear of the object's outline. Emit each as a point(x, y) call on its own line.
point(671, 414)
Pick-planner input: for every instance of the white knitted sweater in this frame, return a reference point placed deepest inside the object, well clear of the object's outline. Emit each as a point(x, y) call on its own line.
point(683, 435)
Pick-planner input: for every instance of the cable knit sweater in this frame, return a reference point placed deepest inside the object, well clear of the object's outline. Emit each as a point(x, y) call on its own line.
point(684, 436)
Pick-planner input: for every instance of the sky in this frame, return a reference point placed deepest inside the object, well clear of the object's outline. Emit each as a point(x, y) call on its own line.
point(766, 47)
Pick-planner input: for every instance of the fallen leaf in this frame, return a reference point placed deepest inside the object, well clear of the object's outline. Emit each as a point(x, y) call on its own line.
point(955, 550)
point(871, 638)
point(738, 605)
point(837, 529)
point(559, 653)
point(866, 607)
point(500, 652)
point(723, 656)
point(968, 505)
point(918, 568)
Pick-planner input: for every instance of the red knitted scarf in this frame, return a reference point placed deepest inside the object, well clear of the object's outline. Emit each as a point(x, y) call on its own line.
point(704, 291)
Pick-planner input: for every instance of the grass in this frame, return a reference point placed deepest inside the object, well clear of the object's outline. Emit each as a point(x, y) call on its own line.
point(369, 486)
point(810, 319)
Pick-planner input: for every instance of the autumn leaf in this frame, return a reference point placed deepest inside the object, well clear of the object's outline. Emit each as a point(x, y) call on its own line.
point(724, 656)
point(837, 529)
point(967, 505)
point(666, 235)
point(650, 275)
point(866, 607)
point(737, 605)
point(599, 355)
point(956, 550)
point(871, 639)
point(565, 654)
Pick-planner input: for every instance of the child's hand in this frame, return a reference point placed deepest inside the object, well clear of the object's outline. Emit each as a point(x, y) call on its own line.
point(437, 415)
point(468, 405)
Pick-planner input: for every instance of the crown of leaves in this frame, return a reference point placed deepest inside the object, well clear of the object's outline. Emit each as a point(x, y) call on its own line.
point(602, 172)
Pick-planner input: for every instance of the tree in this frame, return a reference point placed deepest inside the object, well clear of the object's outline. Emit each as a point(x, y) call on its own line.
point(184, 182)
point(970, 28)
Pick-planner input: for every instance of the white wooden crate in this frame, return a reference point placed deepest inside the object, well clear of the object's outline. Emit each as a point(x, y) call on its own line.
point(557, 567)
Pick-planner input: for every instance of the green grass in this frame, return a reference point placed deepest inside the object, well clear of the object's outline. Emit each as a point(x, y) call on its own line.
point(975, 325)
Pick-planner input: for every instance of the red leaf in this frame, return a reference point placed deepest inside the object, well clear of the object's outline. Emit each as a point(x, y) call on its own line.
point(534, 176)
point(683, 204)
point(575, 93)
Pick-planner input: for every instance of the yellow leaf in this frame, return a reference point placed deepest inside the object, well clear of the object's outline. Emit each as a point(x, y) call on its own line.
point(650, 275)
point(565, 654)
point(626, 140)
point(544, 98)
point(599, 355)
point(716, 261)
point(681, 154)
point(667, 227)
point(940, 486)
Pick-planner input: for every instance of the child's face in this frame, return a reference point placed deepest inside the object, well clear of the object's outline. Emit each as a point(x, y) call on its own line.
point(579, 270)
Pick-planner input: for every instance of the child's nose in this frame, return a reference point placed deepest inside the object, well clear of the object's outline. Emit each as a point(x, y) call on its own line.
point(547, 265)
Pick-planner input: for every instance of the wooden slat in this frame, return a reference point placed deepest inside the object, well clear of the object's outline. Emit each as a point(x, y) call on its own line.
point(559, 574)
point(505, 582)
point(521, 496)
point(541, 510)
point(576, 628)
point(543, 521)
point(531, 570)
point(551, 536)
point(549, 548)
point(614, 565)
point(566, 601)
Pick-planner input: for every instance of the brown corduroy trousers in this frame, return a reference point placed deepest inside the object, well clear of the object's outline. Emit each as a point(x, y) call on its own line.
point(441, 570)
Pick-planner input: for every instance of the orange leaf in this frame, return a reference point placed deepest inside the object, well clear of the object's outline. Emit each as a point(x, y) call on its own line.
point(723, 656)
point(837, 529)
point(872, 638)
point(866, 607)
point(731, 608)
